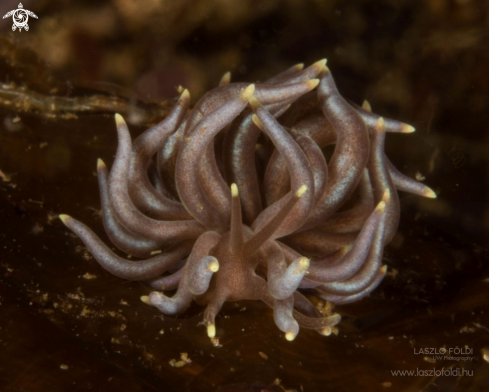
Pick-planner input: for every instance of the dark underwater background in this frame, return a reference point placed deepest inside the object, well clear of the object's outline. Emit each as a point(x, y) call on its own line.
point(67, 325)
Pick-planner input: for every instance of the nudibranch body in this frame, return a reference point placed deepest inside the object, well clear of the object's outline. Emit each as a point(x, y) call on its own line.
point(241, 203)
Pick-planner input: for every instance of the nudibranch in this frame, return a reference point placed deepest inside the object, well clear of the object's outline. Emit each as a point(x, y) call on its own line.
point(235, 199)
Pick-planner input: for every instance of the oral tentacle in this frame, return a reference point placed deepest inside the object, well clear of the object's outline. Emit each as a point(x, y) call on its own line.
point(354, 218)
point(282, 314)
point(166, 159)
point(239, 155)
point(350, 155)
point(210, 314)
point(298, 165)
point(365, 276)
point(187, 168)
point(267, 94)
point(357, 256)
point(382, 181)
point(318, 165)
point(372, 118)
point(122, 238)
point(200, 274)
point(122, 268)
point(124, 209)
point(144, 196)
point(405, 184)
point(211, 182)
point(240, 167)
point(346, 299)
point(174, 305)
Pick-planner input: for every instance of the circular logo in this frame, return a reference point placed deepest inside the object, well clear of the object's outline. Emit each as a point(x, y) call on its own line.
point(20, 18)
